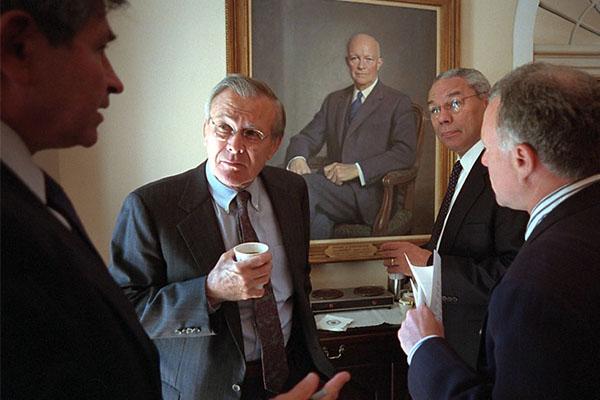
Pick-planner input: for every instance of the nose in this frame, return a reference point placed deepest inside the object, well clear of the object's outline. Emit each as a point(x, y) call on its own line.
point(235, 143)
point(445, 116)
point(113, 82)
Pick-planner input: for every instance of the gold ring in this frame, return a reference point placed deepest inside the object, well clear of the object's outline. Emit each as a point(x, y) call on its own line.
point(393, 260)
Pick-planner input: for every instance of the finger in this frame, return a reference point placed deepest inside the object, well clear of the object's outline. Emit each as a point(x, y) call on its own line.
point(303, 389)
point(335, 384)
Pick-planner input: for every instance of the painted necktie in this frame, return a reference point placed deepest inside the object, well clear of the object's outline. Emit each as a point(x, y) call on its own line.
point(355, 105)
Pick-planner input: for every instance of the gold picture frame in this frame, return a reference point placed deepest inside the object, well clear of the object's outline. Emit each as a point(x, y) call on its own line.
point(239, 56)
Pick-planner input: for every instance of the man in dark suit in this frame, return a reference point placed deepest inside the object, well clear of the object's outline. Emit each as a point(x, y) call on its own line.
point(67, 330)
point(369, 129)
point(172, 255)
point(542, 143)
point(476, 239)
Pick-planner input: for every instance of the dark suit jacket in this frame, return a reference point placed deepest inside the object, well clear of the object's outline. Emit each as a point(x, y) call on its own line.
point(480, 241)
point(166, 241)
point(67, 330)
point(541, 338)
point(381, 138)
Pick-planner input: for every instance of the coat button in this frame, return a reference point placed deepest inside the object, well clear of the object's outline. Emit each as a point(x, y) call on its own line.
point(236, 387)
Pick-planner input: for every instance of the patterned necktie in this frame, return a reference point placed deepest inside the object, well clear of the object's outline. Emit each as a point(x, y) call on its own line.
point(57, 199)
point(441, 217)
point(268, 326)
point(355, 105)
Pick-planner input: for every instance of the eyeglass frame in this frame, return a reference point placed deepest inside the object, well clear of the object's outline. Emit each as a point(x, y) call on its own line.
point(220, 136)
point(449, 107)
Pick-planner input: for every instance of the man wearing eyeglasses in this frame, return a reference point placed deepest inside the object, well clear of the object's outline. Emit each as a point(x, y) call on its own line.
point(476, 239)
point(369, 129)
point(172, 255)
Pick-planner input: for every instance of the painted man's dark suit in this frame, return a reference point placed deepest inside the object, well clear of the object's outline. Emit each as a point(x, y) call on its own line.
point(67, 330)
point(381, 137)
point(478, 244)
point(167, 239)
point(541, 335)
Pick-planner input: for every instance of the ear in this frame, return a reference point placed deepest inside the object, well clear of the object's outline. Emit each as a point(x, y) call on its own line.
point(17, 31)
point(275, 146)
point(524, 160)
point(379, 63)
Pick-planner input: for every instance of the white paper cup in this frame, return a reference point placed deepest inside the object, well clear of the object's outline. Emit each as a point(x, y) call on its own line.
point(246, 250)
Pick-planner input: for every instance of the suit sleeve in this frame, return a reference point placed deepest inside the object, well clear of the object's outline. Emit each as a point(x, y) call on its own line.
point(470, 276)
point(401, 147)
point(312, 137)
point(138, 265)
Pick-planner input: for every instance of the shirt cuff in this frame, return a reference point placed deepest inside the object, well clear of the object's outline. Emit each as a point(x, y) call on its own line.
point(361, 176)
point(414, 349)
point(294, 158)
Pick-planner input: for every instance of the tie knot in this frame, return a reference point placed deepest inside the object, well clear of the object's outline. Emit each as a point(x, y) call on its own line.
point(243, 197)
point(359, 95)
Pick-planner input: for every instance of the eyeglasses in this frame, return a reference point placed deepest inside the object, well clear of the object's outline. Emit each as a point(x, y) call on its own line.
point(454, 105)
point(223, 131)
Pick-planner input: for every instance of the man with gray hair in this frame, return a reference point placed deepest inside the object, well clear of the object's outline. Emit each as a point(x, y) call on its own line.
point(475, 238)
point(67, 330)
point(172, 255)
point(542, 141)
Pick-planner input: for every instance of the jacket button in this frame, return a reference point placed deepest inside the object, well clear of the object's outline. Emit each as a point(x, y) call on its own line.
point(236, 387)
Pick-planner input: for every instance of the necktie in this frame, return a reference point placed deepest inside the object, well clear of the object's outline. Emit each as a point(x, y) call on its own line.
point(58, 201)
point(355, 105)
point(441, 217)
point(268, 326)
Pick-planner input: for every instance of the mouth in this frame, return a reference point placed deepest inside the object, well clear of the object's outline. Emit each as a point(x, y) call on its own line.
point(232, 164)
point(449, 134)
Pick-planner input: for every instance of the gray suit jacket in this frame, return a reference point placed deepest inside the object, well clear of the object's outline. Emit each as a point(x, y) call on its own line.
point(166, 241)
point(381, 137)
point(480, 241)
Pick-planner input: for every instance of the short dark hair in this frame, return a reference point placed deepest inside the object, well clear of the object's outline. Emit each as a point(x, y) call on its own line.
point(60, 20)
point(475, 79)
point(556, 110)
point(245, 86)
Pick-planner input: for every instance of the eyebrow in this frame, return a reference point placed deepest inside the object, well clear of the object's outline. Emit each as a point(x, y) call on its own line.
point(451, 94)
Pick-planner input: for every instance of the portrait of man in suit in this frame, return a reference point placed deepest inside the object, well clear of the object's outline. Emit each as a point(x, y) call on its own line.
point(475, 238)
point(368, 128)
point(172, 256)
point(540, 337)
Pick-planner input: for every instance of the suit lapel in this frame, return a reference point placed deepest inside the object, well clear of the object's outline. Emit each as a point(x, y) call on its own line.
point(200, 231)
point(291, 230)
point(371, 104)
point(341, 112)
point(471, 190)
point(87, 262)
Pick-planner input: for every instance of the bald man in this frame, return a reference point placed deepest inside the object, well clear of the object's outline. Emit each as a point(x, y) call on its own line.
point(369, 130)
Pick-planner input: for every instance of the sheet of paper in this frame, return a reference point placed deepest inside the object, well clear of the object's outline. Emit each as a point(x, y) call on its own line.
point(427, 284)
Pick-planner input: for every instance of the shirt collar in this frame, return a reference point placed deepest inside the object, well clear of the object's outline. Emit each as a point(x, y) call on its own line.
point(223, 194)
point(366, 92)
point(552, 200)
point(18, 158)
point(471, 156)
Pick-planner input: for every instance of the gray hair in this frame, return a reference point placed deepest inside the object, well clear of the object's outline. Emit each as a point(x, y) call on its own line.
point(555, 110)
point(475, 79)
point(60, 21)
point(245, 86)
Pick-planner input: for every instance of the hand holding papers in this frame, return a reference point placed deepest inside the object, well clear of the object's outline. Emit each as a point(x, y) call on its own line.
point(427, 285)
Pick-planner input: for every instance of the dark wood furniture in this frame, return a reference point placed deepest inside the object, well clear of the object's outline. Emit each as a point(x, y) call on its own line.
point(374, 358)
